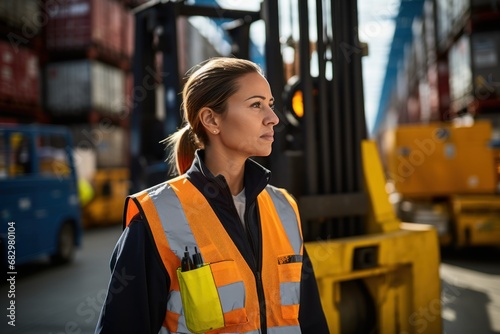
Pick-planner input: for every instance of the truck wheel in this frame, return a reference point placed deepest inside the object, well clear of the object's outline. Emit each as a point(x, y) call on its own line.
point(65, 245)
point(357, 308)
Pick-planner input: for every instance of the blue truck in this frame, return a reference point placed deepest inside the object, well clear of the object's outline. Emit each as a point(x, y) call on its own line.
point(39, 204)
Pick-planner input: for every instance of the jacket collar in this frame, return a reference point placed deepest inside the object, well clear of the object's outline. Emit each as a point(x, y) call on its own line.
point(256, 177)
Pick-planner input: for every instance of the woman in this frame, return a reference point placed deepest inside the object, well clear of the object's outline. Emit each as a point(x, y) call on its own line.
point(260, 279)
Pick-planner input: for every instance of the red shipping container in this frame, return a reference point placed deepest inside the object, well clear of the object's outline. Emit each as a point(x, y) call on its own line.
point(115, 26)
point(19, 74)
point(27, 76)
point(7, 69)
point(69, 26)
point(129, 92)
point(128, 33)
point(79, 24)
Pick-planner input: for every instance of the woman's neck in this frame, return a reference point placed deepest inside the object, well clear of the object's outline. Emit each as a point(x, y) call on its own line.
point(230, 167)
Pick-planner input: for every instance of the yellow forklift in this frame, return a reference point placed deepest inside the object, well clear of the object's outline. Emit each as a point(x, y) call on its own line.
point(375, 274)
point(446, 175)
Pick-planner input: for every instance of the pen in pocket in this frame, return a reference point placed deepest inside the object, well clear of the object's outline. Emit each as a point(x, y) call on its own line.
point(197, 259)
point(186, 263)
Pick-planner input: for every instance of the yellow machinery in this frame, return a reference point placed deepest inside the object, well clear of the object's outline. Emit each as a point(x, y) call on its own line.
point(402, 281)
point(447, 175)
point(111, 186)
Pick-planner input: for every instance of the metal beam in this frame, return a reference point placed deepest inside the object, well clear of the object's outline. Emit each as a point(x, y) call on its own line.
point(333, 206)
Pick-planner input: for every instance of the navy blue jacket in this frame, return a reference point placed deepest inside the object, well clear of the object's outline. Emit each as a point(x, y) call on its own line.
point(139, 285)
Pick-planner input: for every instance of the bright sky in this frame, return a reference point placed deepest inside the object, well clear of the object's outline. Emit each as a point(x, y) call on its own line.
point(376, 27)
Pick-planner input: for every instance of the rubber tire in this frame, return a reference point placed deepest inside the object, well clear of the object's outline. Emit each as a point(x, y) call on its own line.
point(357, 309)
point(65, 245)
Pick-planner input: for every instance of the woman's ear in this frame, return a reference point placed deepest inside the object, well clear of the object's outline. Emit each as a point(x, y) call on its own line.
point(210, 120)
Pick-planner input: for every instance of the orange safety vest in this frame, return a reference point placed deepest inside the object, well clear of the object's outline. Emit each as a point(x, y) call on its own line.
point(179, 215)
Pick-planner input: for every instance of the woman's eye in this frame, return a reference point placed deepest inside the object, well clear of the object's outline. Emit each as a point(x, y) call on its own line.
point(256, 105)
point(272, 106)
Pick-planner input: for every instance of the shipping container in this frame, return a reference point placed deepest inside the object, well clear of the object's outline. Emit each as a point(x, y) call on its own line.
point(430, 32)
point(88, 25)
point(486, 64)
point(28, 76)
point(419, 47)
point(484, 5)
point(19, 73)
point(133, 3)
point(81, 86)
point(438, 77)
point(7, 67)
point(457, 16)
point(475, 72)
point(460, 74)
point(109, 143)
point(128, 33)
point(24, 15)
point(443, 22)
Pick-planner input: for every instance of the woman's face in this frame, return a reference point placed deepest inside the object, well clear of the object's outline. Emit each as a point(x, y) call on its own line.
point(246, 128)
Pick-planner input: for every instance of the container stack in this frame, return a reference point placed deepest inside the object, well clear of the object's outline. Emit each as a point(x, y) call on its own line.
point(471, 41)
point(68, 62)
point(452, 66)
point(21, 23)
point(88, 87)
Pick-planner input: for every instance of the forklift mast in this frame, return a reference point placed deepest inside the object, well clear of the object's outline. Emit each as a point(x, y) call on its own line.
point(329, 162)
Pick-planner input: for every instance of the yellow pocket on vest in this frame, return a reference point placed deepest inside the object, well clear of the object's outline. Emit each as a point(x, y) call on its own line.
point(290, 275)
point(200, 300)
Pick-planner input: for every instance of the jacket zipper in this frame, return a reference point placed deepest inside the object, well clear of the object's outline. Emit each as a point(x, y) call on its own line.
point(262, 302)
point(258, 281)
point(258, 268)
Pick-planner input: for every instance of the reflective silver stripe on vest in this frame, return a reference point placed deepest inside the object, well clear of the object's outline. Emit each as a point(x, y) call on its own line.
point(182, 329)
point(284, 330)
point(232, 296)
point(174, 303)
point(173, 219)
point(287, 216)
point(181, 326)
point(164, 330)
point(290, 293)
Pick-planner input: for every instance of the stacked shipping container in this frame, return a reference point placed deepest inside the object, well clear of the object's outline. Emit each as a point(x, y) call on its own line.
point(19, 72)
point(77, 70)
point(89, 47)
point(20, 23)
point(452, 66)
point(68, 62)
point(89, 44)
point(22, 15)
point(103, 26)
point(82, 86)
